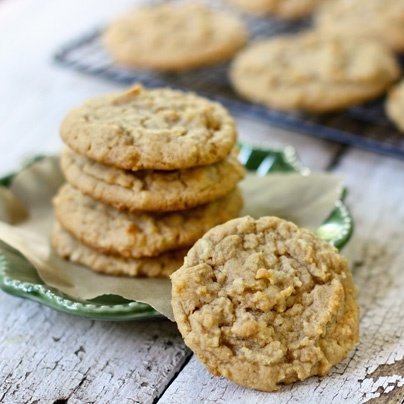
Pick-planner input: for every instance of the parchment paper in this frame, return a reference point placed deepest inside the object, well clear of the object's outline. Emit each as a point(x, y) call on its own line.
point(26, 218)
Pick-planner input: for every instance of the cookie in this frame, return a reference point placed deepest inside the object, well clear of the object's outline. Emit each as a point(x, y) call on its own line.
point(381, 20)
point(265, 303)
point(312, 72)
point(152, 267)
point(395, 105)
point(112, 231)
point(174, 37)
point(152, 190)
point(158, 129)
point(285, 9)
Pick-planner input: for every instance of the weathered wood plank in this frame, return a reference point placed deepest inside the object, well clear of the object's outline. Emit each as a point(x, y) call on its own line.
point(375, 370)
point(47, 356)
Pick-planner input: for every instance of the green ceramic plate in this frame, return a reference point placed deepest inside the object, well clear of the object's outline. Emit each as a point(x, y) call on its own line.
point(18, 277)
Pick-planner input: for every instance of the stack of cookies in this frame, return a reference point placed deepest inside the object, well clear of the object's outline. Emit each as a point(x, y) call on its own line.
point(148, 172)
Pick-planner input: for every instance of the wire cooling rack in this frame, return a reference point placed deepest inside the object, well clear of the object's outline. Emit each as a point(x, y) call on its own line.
point(365, 126)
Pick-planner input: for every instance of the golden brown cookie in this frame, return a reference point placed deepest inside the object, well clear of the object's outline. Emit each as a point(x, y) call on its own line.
point(112, 231)
point(381, 20)
point(312, 72)
point(174, 37)
point(152, 267)
point(158, 129)
point(287, 9)
point(395, 105)
point(152, 190)
point(265, 303)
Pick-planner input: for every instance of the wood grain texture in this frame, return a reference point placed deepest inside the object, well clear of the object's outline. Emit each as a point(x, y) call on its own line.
point(47, 356)
point(375, 369)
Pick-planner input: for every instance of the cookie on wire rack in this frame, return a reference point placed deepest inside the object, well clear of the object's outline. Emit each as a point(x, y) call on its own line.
point(376, 20)
point(174, 37)
point(313, 72)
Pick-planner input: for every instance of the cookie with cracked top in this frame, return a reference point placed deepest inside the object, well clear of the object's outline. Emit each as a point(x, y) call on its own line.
point(265, 303)
point(157, 129)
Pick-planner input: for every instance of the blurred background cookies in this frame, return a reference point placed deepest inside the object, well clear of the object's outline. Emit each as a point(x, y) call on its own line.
point(174, 37)
point(285, 9)
point(344, 59)
point(152, 170)
point(312, 72)
point(378, 20)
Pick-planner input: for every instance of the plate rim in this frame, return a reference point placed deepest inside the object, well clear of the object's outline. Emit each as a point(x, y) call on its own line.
point(133, 310)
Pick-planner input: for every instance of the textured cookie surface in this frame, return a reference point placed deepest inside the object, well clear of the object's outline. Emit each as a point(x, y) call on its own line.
point(288, 9)
point(174, 37)
point(395, 105)
point(265, 303)
point(158, 129)
point(111, 231)
point(152, 267)
point(375, 19)
point(313, 72)
point(152, 190)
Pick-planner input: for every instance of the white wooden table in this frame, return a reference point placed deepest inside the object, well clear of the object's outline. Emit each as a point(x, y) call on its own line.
point(48, 357)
